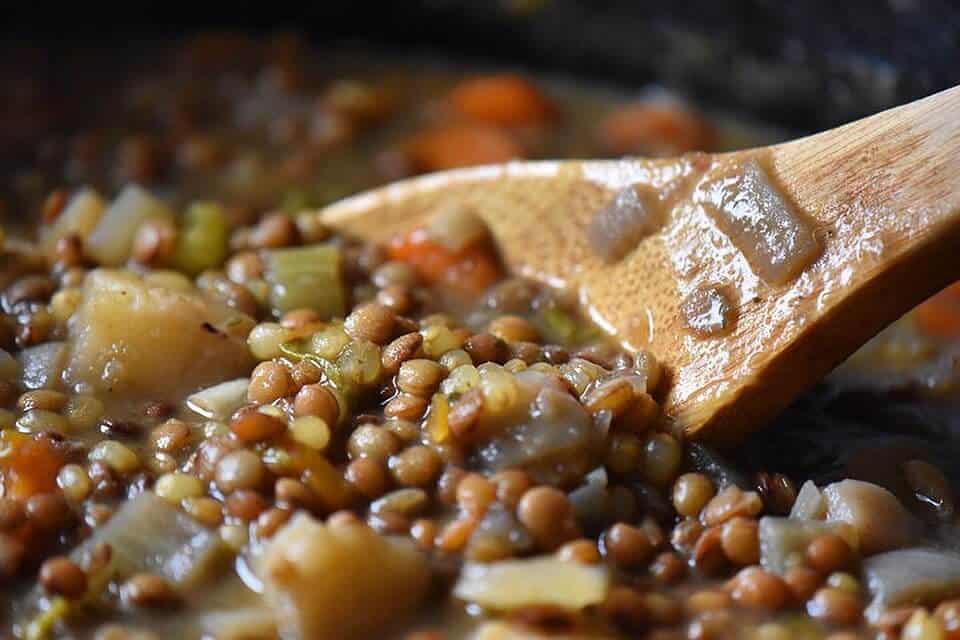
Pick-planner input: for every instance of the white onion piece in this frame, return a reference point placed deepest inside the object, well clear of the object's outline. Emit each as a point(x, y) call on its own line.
point(878, 517)
point(810, 503)
point(911, 576)
point(782, 538)
point(221, 400)
point(112, 239)
point(513, 584)
point(42, 365)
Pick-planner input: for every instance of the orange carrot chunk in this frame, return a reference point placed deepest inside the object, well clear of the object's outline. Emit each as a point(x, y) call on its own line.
point(504, 99)
point(656, 129)
point(30, 465)
point(470, 270)
point(453, 146)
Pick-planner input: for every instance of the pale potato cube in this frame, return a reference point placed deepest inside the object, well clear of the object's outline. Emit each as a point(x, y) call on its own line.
point(340, 581)
point(141, 340)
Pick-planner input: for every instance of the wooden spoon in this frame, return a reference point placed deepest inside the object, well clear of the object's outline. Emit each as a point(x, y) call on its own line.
point(881, 197)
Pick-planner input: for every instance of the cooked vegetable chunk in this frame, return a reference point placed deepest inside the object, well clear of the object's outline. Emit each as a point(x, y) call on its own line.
point(141, 339)
point(316, 576)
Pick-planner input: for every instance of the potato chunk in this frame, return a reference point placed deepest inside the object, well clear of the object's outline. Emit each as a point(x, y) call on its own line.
point(876, 514)
point(340, 581)
point(143, 340)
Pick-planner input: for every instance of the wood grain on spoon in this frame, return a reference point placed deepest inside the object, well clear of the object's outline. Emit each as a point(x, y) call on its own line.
point(881, 196)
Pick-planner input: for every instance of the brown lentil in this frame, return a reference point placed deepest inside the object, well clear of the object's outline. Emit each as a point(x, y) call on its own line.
point(396, 297)
point(730, 503)
point(149, 590)
point(513, 329)
point(268, 382)
point(740, 542)
point(828, 553)
point(399, 351)
point(305, 373)
point(464, 414)
point(802, 581)
point(299, 318)
point(251, 425)
point(835, 606)
point(406, 406)
point(416, 466)
point(486, 347)
point(154, 241)
point(368, 476)
point(240, 469)
point(372, 441)
point(708, 556)
point(270, 521)
point(662, 458)
point(475, 494)
point(371, 321)
point(246, 504)
point(61, 576)
point(754, 587)
point(170, 436)
point(419, 376)
point(708, 600)
point(511, 485)
point(627, 546)
point(668, 567)
point(547, 514)
point(691, 493)
point(49, 511)
point(582, 550)
point(317, 400)
point(275, 230)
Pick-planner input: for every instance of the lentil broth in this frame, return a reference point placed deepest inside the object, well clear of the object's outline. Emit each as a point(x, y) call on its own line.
point(222, 419)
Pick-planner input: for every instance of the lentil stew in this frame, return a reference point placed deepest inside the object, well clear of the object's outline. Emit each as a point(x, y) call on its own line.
point(219, 418)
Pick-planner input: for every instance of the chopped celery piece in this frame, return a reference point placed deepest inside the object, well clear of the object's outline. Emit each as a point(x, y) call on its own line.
point(307, 277)
point(203, 241)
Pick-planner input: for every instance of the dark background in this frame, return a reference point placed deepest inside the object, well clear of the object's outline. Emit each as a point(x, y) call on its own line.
point(804, 63)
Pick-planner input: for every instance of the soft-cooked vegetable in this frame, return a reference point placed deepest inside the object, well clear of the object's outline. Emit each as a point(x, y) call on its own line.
point(783, 538)
point(315, 576)
point(461, 145)
point(148, 534)
point(131, 337)
point(910, 577)
point(538, 431)
point(505, 631)
point(471, 269)
point(111, 240)
point(307, 277)
point(42, 365)
point(251, 623)
point(221, 400)
point(810, 503)
point(28, 464)
point(881, 522)
point(79, 217)
point(203, 240)
point(513, 584)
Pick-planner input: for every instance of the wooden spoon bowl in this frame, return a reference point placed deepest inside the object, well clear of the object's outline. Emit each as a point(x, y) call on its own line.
point(881, 197)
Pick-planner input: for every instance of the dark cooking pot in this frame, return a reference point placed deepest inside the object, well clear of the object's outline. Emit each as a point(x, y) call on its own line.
point(806, 65)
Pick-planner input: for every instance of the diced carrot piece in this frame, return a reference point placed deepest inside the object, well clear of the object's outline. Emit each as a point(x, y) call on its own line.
point(455, 146)
point(503, 99)
point(471, 270)
point(656, 129)
point(29, 465)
